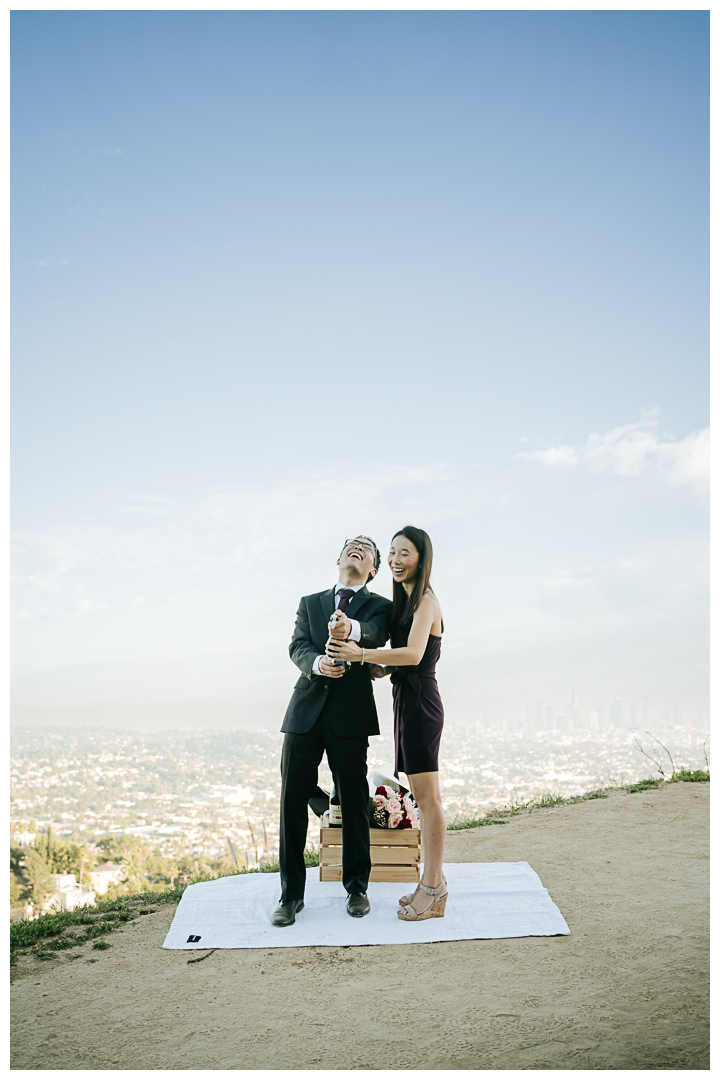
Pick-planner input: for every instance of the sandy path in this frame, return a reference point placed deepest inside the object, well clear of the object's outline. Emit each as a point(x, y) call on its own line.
point(627, 990)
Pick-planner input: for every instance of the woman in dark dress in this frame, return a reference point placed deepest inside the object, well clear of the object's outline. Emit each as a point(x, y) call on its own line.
point(416, 634)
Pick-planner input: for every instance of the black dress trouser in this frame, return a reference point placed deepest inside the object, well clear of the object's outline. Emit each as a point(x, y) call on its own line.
point(347, 758)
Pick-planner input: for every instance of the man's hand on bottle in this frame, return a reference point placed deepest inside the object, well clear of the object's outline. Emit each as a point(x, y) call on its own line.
point(341, 630)
point(332, 671)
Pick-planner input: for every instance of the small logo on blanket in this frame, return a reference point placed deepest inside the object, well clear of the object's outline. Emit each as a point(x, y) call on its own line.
point(194, 937)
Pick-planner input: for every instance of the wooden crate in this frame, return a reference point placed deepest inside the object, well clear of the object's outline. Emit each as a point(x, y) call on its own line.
point(394, 853)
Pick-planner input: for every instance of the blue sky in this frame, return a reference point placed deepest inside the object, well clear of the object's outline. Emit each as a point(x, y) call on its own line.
point(282, 277)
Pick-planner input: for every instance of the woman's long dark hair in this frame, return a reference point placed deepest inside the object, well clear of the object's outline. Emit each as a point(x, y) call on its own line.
point(404, 606)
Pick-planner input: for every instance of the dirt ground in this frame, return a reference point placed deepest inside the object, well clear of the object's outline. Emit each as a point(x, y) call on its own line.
point(628, 989)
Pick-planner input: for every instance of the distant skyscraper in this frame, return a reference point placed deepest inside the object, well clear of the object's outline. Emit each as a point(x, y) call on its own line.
point(594, 721)
point(617, 712)
point(574, 710)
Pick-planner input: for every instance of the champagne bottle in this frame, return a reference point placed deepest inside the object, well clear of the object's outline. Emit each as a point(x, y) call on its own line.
point(335, 811)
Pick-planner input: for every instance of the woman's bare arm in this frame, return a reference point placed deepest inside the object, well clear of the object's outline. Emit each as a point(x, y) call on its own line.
point(409, 655)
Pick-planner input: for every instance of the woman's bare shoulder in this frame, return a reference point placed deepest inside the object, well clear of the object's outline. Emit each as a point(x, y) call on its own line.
point(430, 606)
point(430, 602)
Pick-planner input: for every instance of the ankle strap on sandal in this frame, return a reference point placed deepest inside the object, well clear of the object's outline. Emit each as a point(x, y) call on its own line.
point(432, 892)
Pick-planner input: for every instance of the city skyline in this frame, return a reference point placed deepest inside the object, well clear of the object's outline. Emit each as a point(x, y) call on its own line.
point(285, 277)
point(197, 790)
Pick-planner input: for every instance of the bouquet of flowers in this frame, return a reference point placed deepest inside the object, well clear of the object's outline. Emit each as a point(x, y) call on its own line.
point(392, 810)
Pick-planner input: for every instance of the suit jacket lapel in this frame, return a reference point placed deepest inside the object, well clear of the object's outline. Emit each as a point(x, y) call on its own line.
point(328, 603)
point(357, 602)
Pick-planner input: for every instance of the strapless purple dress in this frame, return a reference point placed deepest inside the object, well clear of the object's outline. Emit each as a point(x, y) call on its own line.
point(417, 709)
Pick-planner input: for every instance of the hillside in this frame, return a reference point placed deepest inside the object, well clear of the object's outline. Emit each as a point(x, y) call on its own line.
point(628, 989)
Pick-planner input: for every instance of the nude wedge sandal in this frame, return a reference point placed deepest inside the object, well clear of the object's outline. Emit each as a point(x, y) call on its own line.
point(436, 909)
point(405, 901)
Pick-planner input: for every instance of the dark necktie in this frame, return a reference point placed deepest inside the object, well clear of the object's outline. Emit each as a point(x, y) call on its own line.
point(344, 596)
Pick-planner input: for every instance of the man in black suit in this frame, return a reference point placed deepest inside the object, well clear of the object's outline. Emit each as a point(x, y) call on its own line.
point(332, 710)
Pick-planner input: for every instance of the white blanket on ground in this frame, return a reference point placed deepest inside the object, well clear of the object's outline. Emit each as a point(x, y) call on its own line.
point(487, 900)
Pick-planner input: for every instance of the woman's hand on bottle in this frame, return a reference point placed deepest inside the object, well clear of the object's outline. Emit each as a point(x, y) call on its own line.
point(344, 650)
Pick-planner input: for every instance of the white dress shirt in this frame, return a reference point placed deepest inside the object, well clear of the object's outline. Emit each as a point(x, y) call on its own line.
point(355, 631)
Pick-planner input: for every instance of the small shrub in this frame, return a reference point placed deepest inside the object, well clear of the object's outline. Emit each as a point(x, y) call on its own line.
point(102, 945)
point(691, 776)
point(473, 823)
point(643, 785)
point(550, 800)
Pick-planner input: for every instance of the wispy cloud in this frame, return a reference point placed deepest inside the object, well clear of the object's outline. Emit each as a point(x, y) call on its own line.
point(89, 607)
point(88, 155)
point(634, 450)
point(661, 583)
point(253, 532)
point(50, 260)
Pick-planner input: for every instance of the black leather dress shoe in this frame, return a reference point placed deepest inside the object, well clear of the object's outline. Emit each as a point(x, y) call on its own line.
point(357, 904)
point(284, 914)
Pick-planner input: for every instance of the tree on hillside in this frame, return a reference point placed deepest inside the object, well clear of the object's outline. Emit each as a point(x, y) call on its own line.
point(133, 878)
point(132, 853)
point(160, 871)
point(18, 885)
point(70, 858)
point(63, 856)
point(116, 848)
point(203, 866)
point(37, 876)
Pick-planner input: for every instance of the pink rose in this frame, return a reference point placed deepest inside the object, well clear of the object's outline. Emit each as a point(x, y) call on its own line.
point(394, 807)
point(380, 801)
point(394, 820)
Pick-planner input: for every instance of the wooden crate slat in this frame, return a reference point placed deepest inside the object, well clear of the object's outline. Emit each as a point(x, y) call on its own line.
point(396, 856)
point(401, 837)
point(403, 874)
point(378, 837)
point(395, 873)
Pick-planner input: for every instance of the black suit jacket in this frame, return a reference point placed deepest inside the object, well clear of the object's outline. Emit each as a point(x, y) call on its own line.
point(350, 700)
